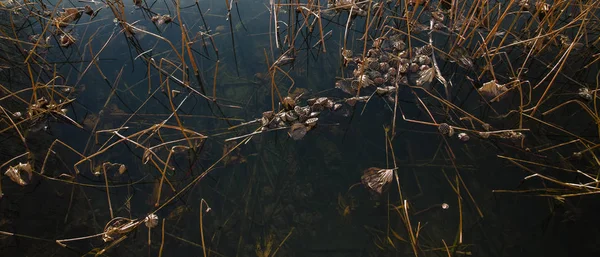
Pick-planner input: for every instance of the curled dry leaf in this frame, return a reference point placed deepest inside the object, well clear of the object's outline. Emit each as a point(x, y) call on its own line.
point(66, 40)
point(122, 169)
point(462, 57)
point(336, 107)
point(585, 93)
point(14, 173)
point(364, 81)
point(426, 76)
point(492, 90)
point(542, 6)
point(377, 179)
point(524, 4)
point(147, 156)
point(88, 10)
point(463, 137)
point(438, 16)
point(111, 229)
point(118, 227)
point(346, 86)
point(288, 103)
point(162, 19)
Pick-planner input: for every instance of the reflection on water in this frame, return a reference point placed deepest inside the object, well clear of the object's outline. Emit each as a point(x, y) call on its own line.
point(271, 195)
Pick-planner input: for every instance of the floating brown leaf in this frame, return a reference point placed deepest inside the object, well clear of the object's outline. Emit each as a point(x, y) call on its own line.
point(68, 16)
point(377, 179)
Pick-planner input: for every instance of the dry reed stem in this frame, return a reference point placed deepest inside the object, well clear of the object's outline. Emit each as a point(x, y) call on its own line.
point(112, 216)
point(202, 201)
point(162, 239)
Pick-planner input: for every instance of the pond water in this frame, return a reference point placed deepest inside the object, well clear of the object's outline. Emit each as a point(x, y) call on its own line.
point(271, 195)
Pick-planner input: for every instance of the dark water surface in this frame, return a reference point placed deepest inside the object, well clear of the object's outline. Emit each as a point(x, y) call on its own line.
point(304, 195)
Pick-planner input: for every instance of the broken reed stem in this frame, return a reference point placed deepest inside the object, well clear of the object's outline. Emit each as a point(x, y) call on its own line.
point(560, 65)
point(215, 81)
point(558, 145)
point(460, 213)
point(348, 25)
point(462, 182)
point(62, 241)
point(162, 239)
point(274, 10)
point(202, 201)
point(283, 241)
point(162, 178)
point(229, 18)
point(112, 216)
point(405, 217)
point(413, 239)
point(322, 40)
point(200, 176)
point(24, 236)
point(395, 109)
point(176, 115)
point(535, 163)
point(14, 158)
